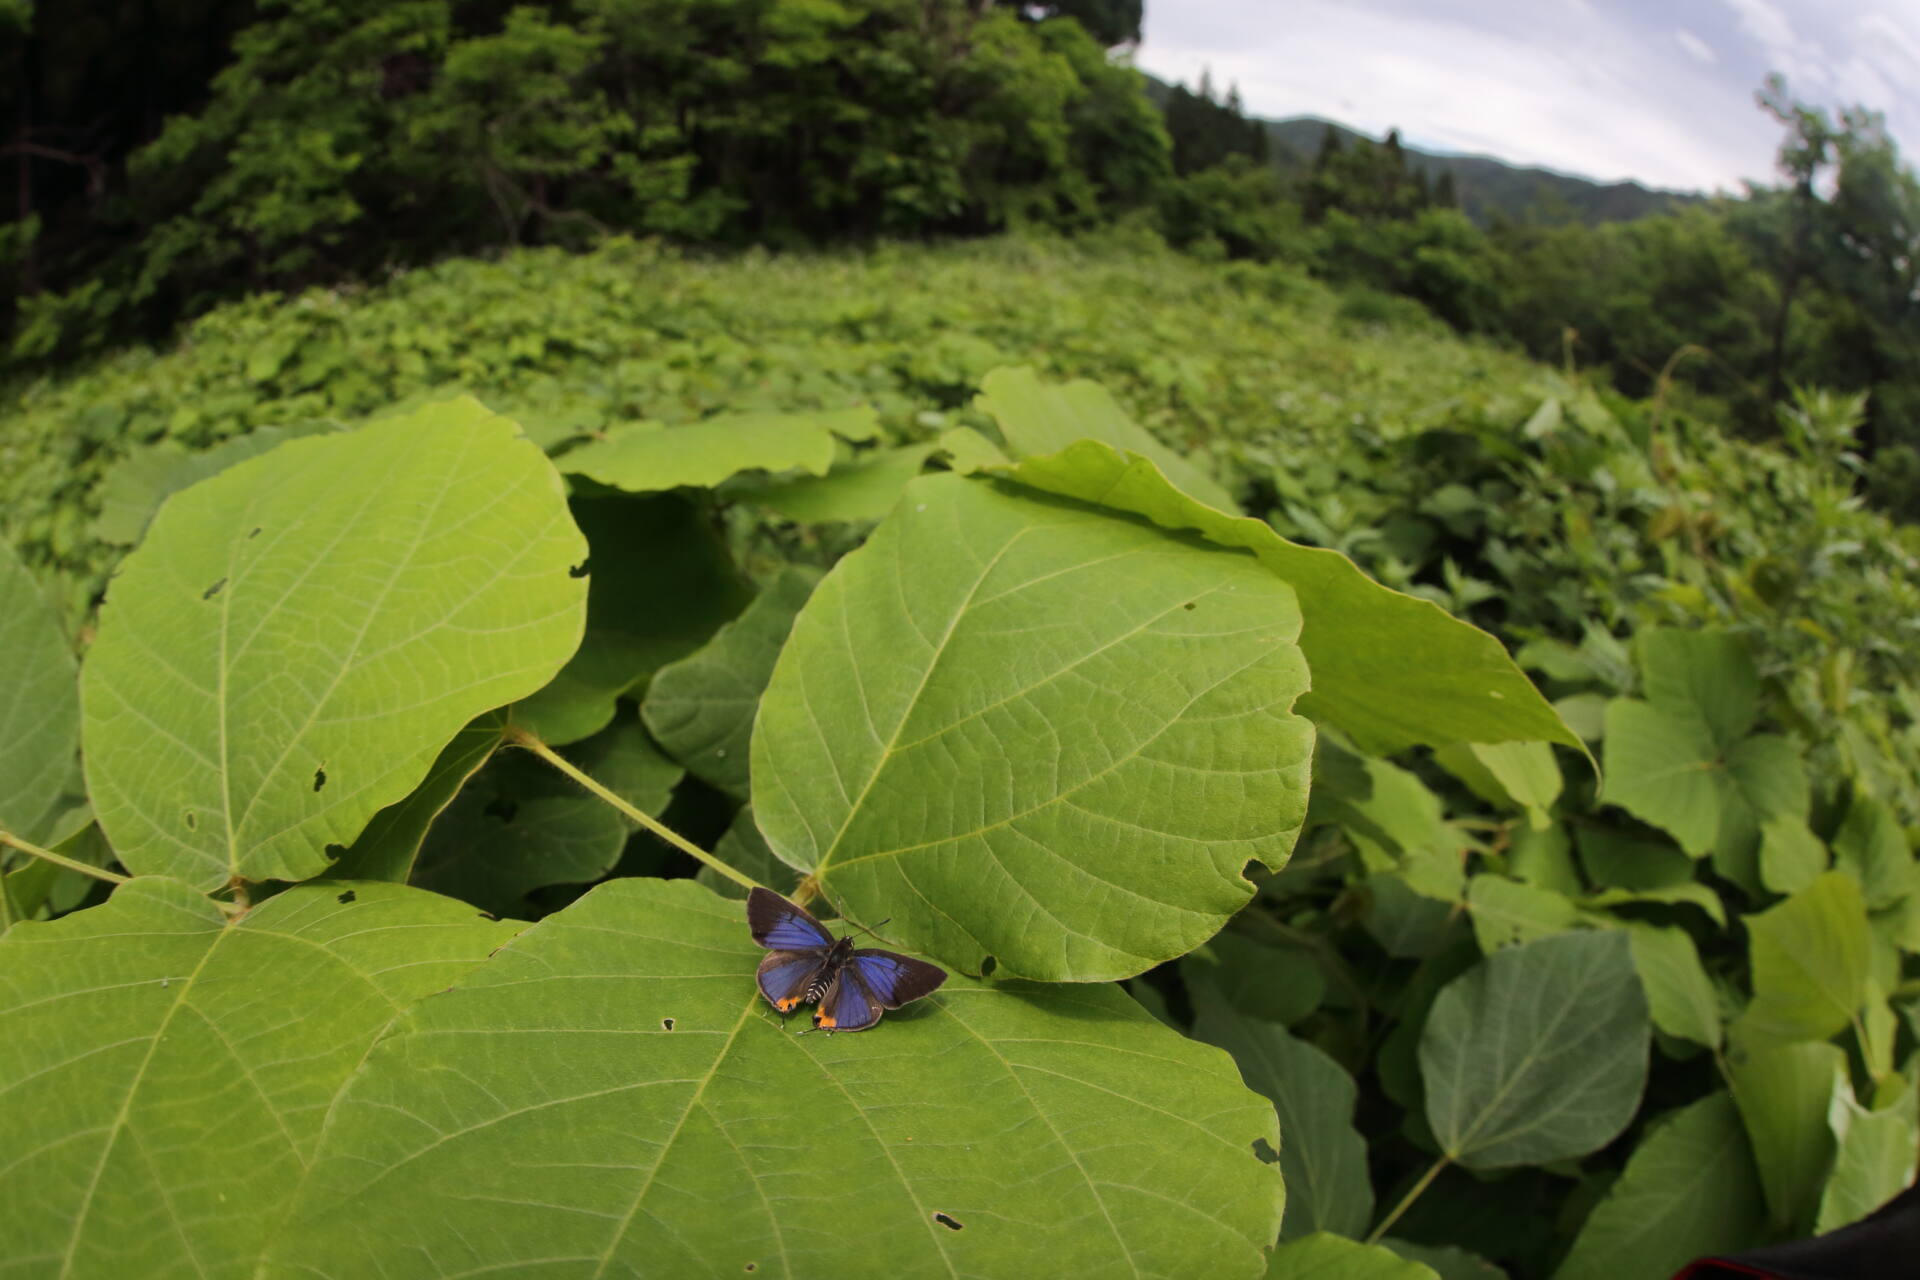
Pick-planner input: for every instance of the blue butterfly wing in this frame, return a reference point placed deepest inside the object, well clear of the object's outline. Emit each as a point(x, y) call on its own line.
point(847, 1005)
point(895, 979)
point(784, 976)
point(781, 926)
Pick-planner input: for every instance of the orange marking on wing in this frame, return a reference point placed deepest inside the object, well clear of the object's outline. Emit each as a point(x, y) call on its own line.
point(788, 1003)
point(824, 1020)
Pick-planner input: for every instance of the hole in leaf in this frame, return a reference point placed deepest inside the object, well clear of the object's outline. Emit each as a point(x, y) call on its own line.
point(1264, 1149)
point(666, 1024)
point(502, 807)
point(950, 1223)
point(753, 1266)
point(987, 966)
point(348, 896)
point(333, 852)
point(255, 533)
point(193, 822)
point(579, 570)
point(1189, 606)
point(213, 590)
point(320, 777)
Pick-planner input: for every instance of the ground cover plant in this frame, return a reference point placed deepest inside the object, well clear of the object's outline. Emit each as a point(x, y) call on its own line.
point(358, 952)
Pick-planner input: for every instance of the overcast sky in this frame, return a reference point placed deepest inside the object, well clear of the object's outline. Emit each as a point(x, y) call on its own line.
point(1658, 90)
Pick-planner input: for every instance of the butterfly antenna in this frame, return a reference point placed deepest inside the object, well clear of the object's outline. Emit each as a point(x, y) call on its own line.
point(871, 934)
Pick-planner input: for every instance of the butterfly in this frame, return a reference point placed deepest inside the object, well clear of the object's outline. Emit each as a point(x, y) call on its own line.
point(850, 988)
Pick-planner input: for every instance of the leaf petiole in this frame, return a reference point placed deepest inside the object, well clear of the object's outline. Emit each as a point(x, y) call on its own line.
point(60, 859)
point(523, 738)
point(1406, 1201)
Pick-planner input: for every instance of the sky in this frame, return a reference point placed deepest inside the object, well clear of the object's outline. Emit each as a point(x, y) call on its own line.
point(1657, 90)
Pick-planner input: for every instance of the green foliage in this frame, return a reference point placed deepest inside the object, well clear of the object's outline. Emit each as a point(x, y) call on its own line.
point(995, 720)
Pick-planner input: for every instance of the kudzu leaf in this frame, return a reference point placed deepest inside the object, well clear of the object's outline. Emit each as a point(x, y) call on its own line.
point(136, 485)
point(387, 848)
point(39, 708)
point(1615, 858)
point(610, 1093)
point(1322, 1156)
point(165, 1073)
point(862, 489)
point(661, 582)
point(1031, 730)
point(701, 708)
point(1520, 775)
point(301, 635)
point(1707, 675)
point(1690, 1189)
point(1507, 913)
point(1810, 962)
point(1680, 996)
point(1783, 1094)
point(1325, 1256)
point(1659, 767)
point(648, 458)
point(1389, 670)
point(1037, 419)
point(1692, 893)
point(1408, 924)
point(1791, 855)
point(1871, 845)
point(1539, 1053)
point(968, 451)
point(1873, 1160)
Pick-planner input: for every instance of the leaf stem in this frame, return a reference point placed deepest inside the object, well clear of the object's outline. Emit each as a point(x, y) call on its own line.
point(60, 859)
point(522, 737)
point(1413, 1193)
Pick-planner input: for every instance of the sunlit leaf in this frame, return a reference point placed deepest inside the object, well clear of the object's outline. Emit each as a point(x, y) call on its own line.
point(1680, 996)
point(1784, 1094)
point(1330, 1257)
point(1538, 1053)
point(1872, 847)
point(864, 489)
point(1389, 670)
point(648, 458)
point(1038, 418)
point(1874, 1157)
point(1690, 1190)
point(386, 849)
point(39, 708)
point(1030, 730)
point(165, 1073)
point(301, 635)
point(1810, 962)
point(611, 1089)
point(1791, 855)
point(139, 482)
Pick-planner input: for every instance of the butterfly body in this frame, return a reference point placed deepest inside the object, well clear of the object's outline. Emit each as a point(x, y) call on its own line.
point(849, 987)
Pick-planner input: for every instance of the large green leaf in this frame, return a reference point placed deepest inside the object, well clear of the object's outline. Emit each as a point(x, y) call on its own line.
point(1507, 912)
point(1690, 1189)
point(1037, 419)
point(1281, 985)
point(1389, 670)
point(1871, 845)
point(647, 458)
point(610, 1094)
point(1035, 731)
point(1538, 1053)
point(701, 708)
point(301, 635)
point(39, 707)
point(1810, 962)
point(165, 1073)
point(1784, 1094)
point(661, 582)
point(1680, 996)
point(864, 489)
point(139, 482)
point(1330, 1257)
point(1322, 1156)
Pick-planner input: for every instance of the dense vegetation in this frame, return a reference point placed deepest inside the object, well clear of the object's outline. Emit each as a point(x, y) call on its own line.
point(1729, 905)
point(232, 148)
point(597, 457)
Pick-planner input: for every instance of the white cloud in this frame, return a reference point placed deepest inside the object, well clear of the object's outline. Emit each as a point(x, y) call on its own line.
point(1696, 48)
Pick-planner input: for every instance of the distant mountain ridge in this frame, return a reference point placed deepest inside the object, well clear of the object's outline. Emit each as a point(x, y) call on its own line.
point(1489, 188)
